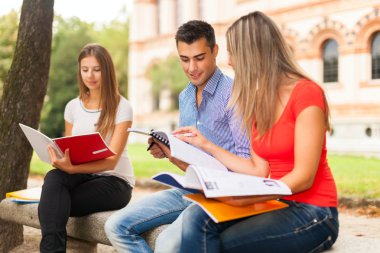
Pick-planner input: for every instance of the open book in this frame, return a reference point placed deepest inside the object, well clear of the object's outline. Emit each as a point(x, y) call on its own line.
point(220, 212)
point(207, 174)
point(31, 195)
point(82, 148)
point(218, 183)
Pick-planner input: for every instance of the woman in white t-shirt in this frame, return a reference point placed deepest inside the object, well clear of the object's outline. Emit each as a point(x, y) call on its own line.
point(78, 190)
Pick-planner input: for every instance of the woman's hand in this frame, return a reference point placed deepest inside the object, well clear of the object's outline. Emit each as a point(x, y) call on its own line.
point(245, 200)
point(261, 164)
point(63, 163)
point(237, 201)
point(191, 135)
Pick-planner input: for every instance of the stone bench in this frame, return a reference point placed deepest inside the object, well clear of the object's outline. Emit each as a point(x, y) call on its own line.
point(84, 233)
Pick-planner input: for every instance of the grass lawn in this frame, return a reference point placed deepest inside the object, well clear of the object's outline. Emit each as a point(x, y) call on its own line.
point(144, 164)
point(355, 176)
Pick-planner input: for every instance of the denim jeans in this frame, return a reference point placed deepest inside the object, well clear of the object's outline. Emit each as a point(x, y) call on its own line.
point(124, 227)
point(298, 228)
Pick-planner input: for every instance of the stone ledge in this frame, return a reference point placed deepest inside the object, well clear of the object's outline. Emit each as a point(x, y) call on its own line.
point(88, 228)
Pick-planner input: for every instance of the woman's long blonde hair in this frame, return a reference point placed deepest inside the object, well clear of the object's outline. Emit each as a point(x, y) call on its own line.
point(262, 57)
point(109, 97)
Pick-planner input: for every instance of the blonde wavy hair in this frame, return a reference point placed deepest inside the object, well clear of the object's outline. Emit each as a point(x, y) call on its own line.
point(110, 97)
point(262, 58)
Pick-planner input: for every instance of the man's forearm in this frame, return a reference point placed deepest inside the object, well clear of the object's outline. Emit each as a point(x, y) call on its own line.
point(180, 164)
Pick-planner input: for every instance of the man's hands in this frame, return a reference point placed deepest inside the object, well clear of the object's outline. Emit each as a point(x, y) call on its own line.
point(158, 149)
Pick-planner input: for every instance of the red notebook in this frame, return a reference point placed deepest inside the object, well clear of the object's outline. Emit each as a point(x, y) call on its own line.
point(82, 148)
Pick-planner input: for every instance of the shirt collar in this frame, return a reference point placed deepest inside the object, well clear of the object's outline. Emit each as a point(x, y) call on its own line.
point(212, 83)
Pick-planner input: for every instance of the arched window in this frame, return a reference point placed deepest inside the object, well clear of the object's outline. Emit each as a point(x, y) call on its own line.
point(330, 61)
point(375, 54)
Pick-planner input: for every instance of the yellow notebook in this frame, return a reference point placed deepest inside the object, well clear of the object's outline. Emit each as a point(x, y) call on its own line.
point(31, 195)
point(220, 212)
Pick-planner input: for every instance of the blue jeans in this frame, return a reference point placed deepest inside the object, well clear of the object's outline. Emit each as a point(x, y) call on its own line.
point(124, 227)
point(298, 228)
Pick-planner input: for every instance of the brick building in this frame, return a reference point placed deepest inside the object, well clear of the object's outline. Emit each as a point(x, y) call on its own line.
point(337, 42)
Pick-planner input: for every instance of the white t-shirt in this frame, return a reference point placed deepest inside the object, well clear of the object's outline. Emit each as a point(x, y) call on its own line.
point(84, 121)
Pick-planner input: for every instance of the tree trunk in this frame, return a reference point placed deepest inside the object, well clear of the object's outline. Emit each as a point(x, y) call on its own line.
point(21, 102)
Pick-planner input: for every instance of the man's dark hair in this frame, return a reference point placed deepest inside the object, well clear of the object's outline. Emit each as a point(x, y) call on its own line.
point(194, 30)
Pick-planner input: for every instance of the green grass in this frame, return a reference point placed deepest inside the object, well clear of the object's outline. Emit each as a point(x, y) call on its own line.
point(354, 176)
point(143, 163)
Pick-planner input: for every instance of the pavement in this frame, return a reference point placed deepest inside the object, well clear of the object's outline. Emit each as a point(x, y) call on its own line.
point(357, 233)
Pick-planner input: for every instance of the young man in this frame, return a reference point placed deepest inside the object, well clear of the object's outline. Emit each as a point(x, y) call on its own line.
point(203, 103)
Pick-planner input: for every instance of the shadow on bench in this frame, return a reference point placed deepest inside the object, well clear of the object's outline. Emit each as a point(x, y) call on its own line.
point(84, 233)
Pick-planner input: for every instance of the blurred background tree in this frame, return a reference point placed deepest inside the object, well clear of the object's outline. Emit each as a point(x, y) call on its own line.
point(69, 37)
point(24, 89)
point(114, 37)
point(8, 36)
point(167, 74)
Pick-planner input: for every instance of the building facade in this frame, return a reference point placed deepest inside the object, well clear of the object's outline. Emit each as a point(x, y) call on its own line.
point(337, 42)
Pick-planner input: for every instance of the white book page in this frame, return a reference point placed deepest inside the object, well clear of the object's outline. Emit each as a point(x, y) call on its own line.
point(138, 130)
point(148, 132)
point(192, 180)
point(191, 155)
point(224, 183)
point(39, 142)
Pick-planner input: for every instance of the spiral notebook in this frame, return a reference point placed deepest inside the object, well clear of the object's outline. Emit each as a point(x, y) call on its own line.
point(181, 150)
point(159, 135)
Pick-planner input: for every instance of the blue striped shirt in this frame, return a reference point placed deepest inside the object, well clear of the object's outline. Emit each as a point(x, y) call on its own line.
point(212, 118)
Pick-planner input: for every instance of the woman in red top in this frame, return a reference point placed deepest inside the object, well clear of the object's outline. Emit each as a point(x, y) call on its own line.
point(286, 115)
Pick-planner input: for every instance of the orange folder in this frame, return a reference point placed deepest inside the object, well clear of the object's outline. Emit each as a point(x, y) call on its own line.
point(220, 212)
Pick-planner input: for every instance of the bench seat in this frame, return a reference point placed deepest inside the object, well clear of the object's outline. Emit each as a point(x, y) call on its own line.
point(84, 233)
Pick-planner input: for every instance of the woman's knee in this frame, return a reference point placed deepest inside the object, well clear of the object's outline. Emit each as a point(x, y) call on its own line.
point(54, 177)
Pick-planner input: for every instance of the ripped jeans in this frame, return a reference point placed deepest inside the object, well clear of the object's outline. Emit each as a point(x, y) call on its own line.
point(298, 228)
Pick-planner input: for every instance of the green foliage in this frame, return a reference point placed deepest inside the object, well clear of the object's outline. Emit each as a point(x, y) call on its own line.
point(8, 37)
point(167, 74)
point(69, 38)
point(114, 37)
